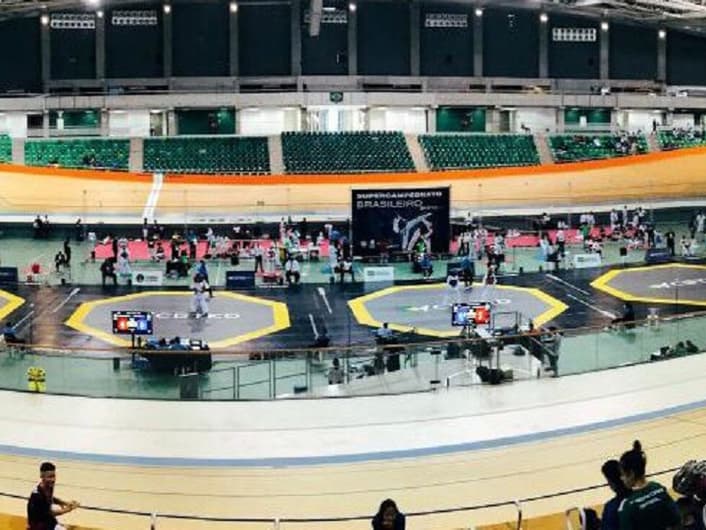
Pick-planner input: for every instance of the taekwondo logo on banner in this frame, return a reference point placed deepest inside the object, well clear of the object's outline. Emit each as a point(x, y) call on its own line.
point(400, 219)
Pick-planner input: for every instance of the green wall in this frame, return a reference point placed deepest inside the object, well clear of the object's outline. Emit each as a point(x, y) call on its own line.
point(593, 116)
point(206, 121)
point(460, 119)
point(86, 119)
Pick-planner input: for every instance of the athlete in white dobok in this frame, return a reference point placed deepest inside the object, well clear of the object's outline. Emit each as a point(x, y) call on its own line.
point(452, 291)
point(199, 301)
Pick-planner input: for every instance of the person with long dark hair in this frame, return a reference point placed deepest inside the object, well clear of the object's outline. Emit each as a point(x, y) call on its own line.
point(388, 517)
point(649, 506)
point(609, 517)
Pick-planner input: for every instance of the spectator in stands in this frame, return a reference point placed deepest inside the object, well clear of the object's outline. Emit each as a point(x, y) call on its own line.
point(627, 318)
point(686, 247)
point(43, 507)
point(67, 252)
point(691, 348)
point(426, 266)
point(108, 271)
point(59, 261)
point(345, 266)
point(291, 270)
point(384, 333)
point(9, 333)
point(38, 227)
point(335, 373)
point(388, 517)
point(649, 506)
point(159, 253)
point(609, 517)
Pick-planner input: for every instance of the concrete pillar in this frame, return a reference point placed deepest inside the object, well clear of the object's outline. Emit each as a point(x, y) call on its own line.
point(414, 60)
point(604, 43)
point(543, 47)
point(167, 43)
point(431, 120)
point(172, 128)
point(353, 40)
point(104, 122)
point(45, 124)
point(46, 53)
point(234, 50)
point(296, 36)
point(477, 45)
point(100, 46)
point(662, 55)
point(560, 124)
point(492, 120)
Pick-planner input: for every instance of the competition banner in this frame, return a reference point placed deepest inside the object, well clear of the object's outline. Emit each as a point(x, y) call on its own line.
point(400, 219)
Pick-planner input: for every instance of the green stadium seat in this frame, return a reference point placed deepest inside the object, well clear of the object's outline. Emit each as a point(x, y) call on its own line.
point(466, 151)
point(79, 153)
point(680, 138)
point(228, 154)
point(5, 148)
point(345, 152)
point(580, 147)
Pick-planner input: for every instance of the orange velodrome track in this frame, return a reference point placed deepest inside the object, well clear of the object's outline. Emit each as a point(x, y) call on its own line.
point(661, 175)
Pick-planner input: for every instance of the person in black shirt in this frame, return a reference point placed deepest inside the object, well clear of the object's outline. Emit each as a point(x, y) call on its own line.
point(388, 517)
point(108, 271)
point(43, 507)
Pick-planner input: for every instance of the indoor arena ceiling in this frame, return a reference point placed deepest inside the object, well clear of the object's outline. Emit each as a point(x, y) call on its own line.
point(689, 15)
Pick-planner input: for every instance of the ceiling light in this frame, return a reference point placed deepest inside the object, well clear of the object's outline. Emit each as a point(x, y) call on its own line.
point(479, 12)
point(543, 18)
point(604, 26)
point(167, 8)
point(352, 7)
point(233, 7)
point(662, 34)
point(44, 20)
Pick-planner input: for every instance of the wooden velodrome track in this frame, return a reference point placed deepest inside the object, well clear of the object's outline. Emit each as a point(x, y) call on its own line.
point(418, 484)
point(432, 483)
point(660, 175)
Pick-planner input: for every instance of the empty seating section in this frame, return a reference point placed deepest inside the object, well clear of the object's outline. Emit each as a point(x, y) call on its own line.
point(462, 151)
point(680, 138)
point(241, 155)
point(347, 152)
point(78, 153)
point(5, 148)
point(578, 147)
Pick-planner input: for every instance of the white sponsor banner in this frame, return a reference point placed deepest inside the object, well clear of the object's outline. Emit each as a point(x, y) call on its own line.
point(147, 277)
point(378, 274)
point(584, 261)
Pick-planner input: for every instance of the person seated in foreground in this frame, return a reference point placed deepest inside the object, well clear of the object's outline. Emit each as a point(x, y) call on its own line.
point(9, 333)
point(388, 517)
point(384, 334)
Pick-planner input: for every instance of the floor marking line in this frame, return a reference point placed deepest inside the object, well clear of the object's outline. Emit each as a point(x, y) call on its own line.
point(313, 326)
point(69, 297)
point(568, 284)
point(153, 197)
point(18, 325)
point(322, 293)
point(595, 308)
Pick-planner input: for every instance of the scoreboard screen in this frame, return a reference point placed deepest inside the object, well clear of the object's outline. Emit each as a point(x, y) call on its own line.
point(133, 323)
point(470, 314)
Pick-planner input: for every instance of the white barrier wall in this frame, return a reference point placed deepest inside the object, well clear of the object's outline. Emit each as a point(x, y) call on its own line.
point(638, 120)
point(408, 120)
point(14, 124)
point(264, 121)
point(539, 120)
point(129, 123)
